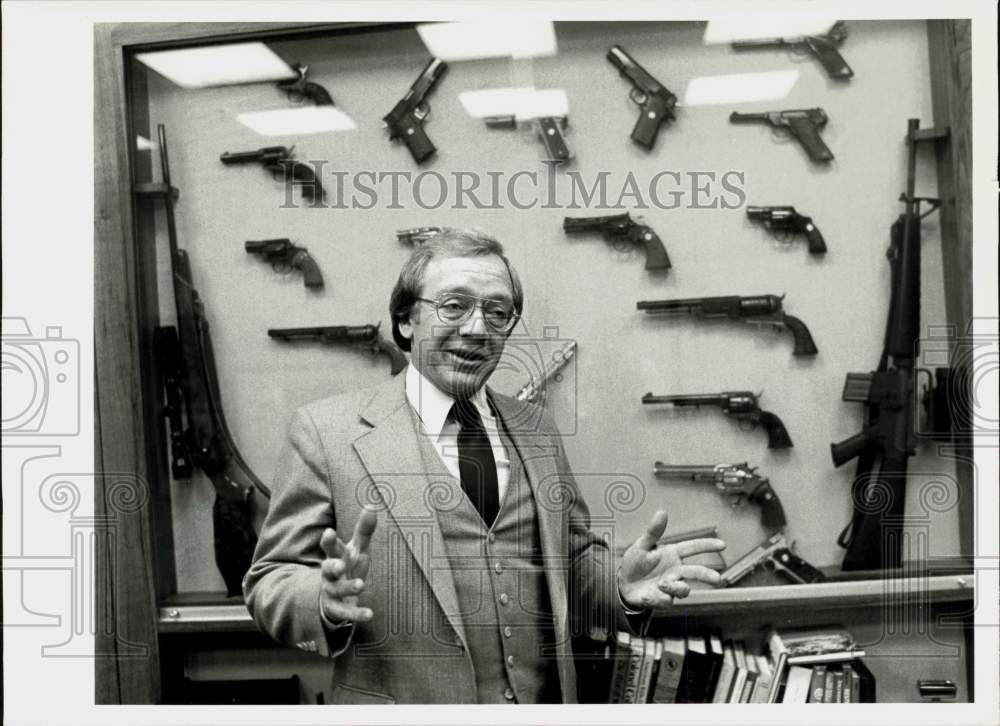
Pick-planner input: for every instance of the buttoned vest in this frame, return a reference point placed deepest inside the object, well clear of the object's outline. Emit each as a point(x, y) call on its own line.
point(500, 583)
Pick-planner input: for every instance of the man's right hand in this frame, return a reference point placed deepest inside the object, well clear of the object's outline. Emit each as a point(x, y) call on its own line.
point(344, 571)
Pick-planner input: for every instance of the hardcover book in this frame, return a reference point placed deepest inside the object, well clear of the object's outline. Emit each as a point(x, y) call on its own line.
point(671, 667)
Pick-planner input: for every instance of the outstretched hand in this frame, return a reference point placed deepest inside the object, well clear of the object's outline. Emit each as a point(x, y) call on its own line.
point(653, 576)
point(345, 569)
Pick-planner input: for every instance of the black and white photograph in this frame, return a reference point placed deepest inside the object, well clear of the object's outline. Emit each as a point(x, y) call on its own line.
point(409, 361)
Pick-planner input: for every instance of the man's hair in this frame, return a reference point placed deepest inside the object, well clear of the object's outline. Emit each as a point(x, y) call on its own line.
point(449, 242)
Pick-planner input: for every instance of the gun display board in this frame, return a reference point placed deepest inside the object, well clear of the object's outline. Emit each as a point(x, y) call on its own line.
point(733, 205)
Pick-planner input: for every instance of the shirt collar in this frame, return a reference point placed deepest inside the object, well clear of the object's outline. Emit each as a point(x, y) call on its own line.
point(433, 405)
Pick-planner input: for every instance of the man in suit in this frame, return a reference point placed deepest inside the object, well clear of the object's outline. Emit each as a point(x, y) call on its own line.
point(471, 565)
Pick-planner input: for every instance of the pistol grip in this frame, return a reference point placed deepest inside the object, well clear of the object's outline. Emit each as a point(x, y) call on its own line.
point(777, 434)
point(834, 64)
point(817, 245)
point(808, 135)
point(804, 344)
point(555, 143)
point(416, 139)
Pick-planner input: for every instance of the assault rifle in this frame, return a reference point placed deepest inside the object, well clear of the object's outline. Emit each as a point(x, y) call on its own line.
point(873, 538)
point(194, 410)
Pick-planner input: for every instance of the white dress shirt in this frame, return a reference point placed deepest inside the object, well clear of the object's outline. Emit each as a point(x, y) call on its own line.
point(433, 407)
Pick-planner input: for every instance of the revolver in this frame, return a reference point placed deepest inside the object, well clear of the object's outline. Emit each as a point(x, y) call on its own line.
point(738, 481)
point(279, 160)
point(621, 227)
point(283, 256)
point(742, 405)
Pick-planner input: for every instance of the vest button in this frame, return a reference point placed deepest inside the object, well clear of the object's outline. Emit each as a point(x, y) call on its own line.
point(498, 568)
point(510, 661)
point(504, 599)
point(507, 632)
point(492, 537)
point(508, 693)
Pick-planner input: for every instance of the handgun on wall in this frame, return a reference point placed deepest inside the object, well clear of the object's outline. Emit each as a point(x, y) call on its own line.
point(802, 123)
point(774, 554)
point(823, 46)
point(284, 256)
point(548, 128)
point(785, 220)
point(741, 405)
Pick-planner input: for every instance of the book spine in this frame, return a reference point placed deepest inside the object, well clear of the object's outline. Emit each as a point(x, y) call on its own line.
point(817, 684)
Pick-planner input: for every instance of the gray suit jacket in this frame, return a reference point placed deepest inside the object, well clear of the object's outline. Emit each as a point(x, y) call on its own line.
point(362, 448)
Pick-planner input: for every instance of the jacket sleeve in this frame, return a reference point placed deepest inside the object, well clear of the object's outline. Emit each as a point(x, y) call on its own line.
point(282, 586)
point(594, 603)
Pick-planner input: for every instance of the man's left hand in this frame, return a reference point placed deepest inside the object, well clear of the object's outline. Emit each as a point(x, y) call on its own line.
point(653, 576)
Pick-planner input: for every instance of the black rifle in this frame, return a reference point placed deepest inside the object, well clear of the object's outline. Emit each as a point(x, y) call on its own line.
point(656, 103)
point(739, 481)
point(742, 405)
point(366, 337)
point(279, 161)
point(774, 554)
point(417, 235)
point(207, 437)
point(283, 256)
point(823, 46)
point(406, 119)
point(786, 219)
point(802, 123)
point(549, 130)
point(756, 310)
point(300, 88)
point(873, 537)
point(621, 227)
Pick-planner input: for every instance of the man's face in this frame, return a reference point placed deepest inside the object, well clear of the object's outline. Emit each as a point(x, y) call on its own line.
point(458, 357)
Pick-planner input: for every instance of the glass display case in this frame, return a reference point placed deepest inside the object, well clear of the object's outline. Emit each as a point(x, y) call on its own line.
point(305, 164)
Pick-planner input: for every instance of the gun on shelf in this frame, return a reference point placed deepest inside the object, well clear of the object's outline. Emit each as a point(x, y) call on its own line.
point(206, 441)
point(299, 89)
point(785, 220)
point(756, 310)
point(656, 104)
point(548, 128)
point(366, 337)
point(874, 537)
point(803, 124)
point(774, 554)
point(406, 119)
point(279, 161)
point(531, 390)
point(621, 228)
point(741, 405)
point(739, 482)
point(824, 47)
point(284, 256)
point(417, 235)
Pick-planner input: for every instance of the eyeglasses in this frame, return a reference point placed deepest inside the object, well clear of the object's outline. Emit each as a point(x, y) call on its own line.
point(455, 308)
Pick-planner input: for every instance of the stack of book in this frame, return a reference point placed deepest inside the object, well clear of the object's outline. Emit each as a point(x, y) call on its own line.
point(820, 665)
point(804, 666)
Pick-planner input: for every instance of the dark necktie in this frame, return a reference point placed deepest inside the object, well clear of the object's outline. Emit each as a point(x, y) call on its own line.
point(476, 465)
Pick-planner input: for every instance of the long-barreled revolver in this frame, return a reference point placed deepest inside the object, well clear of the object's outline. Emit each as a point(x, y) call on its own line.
point(417, 235)
point(199, 433)
point(531, 390)
point(756, 310)
point(548, 128)
point(622, 228)
point(742, 405)
point(406, 119)
point(656, 103)
point(740, 482)
point(366, 337)
point(299, 89)
point(802, 123)
point(774, 554)
point(786, 221)
point(823, 46)
point(279, 161)
point(285, 256)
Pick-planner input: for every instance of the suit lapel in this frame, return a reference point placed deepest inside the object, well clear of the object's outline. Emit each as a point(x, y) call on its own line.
point(391, 455)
